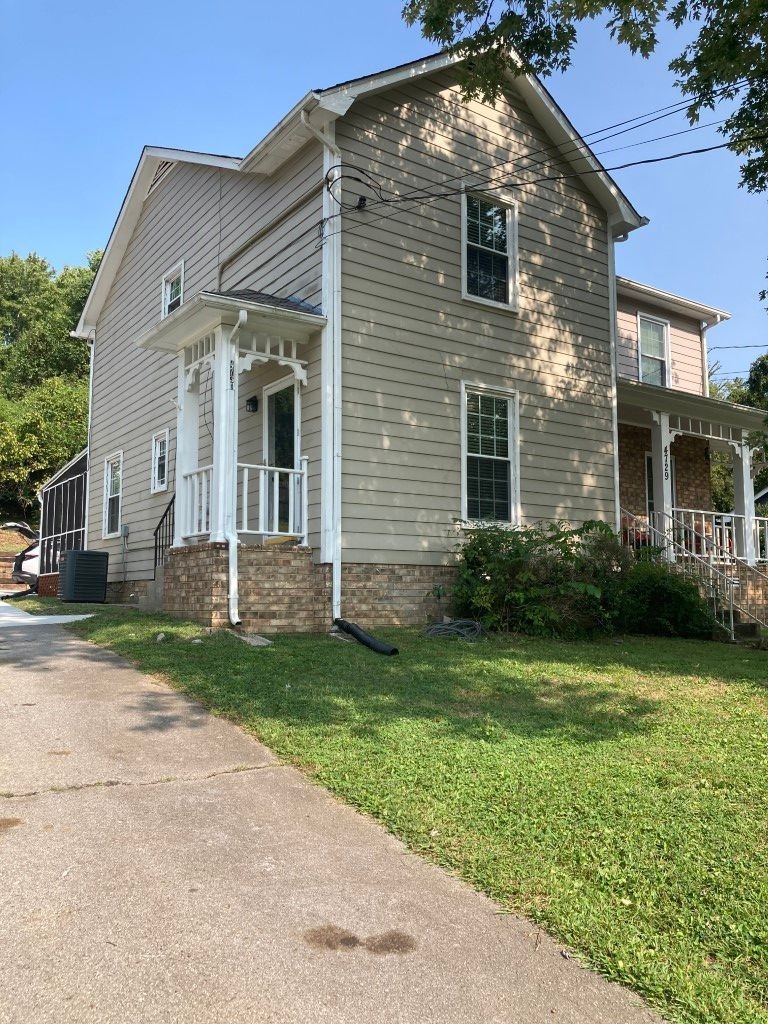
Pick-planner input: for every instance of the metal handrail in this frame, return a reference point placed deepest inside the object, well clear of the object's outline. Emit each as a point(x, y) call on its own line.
point(164, 532)
point(721, 587)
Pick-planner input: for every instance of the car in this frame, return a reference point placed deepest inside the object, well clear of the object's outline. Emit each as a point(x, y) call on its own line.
point(26, 564)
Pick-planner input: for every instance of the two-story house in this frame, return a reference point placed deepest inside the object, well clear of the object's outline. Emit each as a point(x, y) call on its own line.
point(397, 312)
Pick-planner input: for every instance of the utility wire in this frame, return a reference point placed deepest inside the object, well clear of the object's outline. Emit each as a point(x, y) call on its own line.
point(536, 181)
point(576, 146)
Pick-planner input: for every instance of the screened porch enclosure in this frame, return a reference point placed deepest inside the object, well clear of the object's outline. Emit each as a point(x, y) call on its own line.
point(63, 513)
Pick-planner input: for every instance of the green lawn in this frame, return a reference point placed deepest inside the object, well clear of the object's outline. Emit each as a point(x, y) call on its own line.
point(616, 792)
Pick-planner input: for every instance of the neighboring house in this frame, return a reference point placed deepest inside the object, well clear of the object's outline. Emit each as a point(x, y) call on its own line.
point(280, 352)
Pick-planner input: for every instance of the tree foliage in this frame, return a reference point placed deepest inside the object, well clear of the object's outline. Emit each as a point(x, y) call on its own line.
point(43, 373)
point(752, 391)
point(726, 61)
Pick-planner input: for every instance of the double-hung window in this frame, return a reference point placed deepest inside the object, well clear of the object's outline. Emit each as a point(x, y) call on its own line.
point(489, 251)
point(652, 344)
point(490, 465)
point(172, 289)
point(113, 495)
point(159, 462)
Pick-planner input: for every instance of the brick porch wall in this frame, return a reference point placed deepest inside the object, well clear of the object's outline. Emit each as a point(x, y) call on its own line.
point(692, 476)
point(283, 591)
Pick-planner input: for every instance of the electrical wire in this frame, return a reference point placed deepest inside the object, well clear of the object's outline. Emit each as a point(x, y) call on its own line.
point(536, 181)
point(576, 146)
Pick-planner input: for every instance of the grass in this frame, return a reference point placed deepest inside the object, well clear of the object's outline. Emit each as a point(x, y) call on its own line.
point(616, 792)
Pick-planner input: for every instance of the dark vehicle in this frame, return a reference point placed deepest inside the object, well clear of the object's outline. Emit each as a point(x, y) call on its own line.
point(26, 564)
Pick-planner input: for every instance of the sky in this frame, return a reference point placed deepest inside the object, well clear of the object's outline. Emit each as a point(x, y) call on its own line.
point(84, 85)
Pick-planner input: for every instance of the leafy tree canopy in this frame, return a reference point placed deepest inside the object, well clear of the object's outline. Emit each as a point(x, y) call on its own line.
point(726, 61)
point(43, 373)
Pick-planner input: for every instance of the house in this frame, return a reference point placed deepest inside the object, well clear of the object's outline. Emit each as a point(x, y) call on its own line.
point(309, 362)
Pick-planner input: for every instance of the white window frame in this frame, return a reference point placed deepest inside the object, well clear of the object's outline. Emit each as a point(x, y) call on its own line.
point(513, 412)
point(667, 356)
point(161, 435)
point(115, 457)
point(168, 277)
point(510, 204)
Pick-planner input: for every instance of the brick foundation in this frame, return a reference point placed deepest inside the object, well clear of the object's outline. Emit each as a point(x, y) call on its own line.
point(283, 591)
point(48, 585)
point(195, 584)
point(692, 477)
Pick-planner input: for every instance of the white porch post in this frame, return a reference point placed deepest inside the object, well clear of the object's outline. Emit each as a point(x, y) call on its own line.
point(224, 475)
point(744, 502)
point(187, 423)
point(661, 441)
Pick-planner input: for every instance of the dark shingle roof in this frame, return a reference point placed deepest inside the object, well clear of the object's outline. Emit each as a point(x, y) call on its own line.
point(249, 295)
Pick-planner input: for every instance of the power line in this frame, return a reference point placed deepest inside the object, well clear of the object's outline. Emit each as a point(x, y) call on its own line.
point(536, 181)
point(717, 347)
point(575, 146)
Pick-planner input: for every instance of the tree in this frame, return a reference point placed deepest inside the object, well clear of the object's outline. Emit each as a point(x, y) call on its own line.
point(43, 373)
point(727, 61)
point(751, 391)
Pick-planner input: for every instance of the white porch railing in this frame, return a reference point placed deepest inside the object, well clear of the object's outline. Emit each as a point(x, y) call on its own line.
point(272, 502)
point(718, 535)
point(197, 504)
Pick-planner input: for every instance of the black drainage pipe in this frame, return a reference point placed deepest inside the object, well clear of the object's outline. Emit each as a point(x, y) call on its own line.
point(380, 646)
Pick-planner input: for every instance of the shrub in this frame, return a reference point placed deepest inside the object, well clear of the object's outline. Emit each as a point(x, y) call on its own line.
point(545, 580)
point(655, 600)
point(552, 580)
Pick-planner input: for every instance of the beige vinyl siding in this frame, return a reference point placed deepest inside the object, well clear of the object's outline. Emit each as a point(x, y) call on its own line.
point(198, 214)
point(687, 368)
point(409, 339)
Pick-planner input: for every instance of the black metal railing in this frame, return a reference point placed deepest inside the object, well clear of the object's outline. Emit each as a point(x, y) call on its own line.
point(164, 533)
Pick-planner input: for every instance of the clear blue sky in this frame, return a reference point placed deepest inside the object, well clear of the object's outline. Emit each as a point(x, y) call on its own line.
point(83, 86)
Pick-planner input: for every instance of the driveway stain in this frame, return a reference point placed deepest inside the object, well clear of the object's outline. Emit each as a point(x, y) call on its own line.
point(58, 753)
point(6, 823)
point(331, 937)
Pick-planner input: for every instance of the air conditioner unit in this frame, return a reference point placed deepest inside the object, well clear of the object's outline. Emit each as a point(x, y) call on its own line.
point(83, 576)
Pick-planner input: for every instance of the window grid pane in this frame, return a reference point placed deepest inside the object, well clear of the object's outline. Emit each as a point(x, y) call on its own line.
point(652, 338)
point(488, 464)
point(652, 370)
point(488, 489)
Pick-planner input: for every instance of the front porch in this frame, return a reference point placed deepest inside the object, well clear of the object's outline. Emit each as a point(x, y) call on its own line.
point(666, 444)
point(242, 478)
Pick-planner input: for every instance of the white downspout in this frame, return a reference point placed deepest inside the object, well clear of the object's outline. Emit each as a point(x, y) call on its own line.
point(705, 355)
point(332, 433)
point(230, 481)
point(612, 313)
point(91, 347)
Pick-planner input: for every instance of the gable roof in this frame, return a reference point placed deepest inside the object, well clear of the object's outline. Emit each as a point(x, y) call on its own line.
point(317, 110)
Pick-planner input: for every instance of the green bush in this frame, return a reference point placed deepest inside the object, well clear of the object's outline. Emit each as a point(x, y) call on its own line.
point(655, 600)
point(552, 580)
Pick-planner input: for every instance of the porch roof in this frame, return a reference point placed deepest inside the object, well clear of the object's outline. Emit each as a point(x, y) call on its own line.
point(651, 398)
point(290, 319)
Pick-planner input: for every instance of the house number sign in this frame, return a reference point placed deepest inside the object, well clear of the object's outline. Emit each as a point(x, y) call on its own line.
point(666, 462)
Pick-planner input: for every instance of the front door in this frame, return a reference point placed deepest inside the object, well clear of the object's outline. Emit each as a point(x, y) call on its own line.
point(281, 449)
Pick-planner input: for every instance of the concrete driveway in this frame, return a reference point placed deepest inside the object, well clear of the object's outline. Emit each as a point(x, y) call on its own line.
point(158, 864)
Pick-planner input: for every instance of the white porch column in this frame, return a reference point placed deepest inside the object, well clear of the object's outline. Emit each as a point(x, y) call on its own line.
point(224, 476)
point(187, 424)
point(661, 441)
point(744, 502)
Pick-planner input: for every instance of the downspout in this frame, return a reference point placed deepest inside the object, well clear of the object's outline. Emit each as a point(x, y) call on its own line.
point(332, 310)
point(230, 481)
point(704, 355)
point(612, 313)
point(91, 343)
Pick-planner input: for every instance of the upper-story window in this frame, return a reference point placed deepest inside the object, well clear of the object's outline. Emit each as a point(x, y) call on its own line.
point(173, 289)
point(652, 337)
point(489, 250)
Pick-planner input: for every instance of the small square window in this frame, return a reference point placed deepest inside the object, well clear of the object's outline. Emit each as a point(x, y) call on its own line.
point(173, 289)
